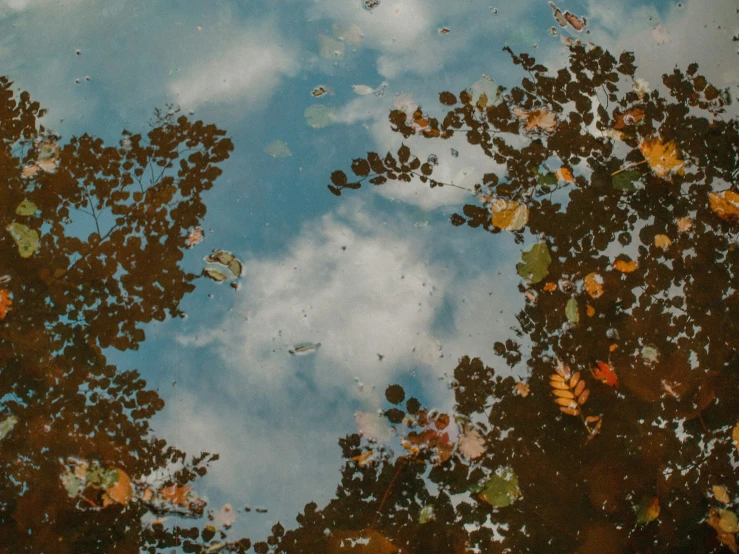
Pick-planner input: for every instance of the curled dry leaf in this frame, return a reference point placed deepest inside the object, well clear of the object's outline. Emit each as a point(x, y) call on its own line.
point(570, 393)
point(5, 303)
point(662, 157)
point(662, 241)
point(593, 283)
point(509, 215)
point(471, 444)
point(625, 266)
point(725, 205)
point(537, 119)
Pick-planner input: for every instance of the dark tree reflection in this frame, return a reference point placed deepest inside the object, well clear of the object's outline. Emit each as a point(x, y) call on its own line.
point(620, 440)
point(90, 249)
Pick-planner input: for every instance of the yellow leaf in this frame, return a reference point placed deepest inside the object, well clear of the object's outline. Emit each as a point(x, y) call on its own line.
point(509, 215)
point(564, 174)
point(625, 266)
point(590, 311)
point(684, 224)
point(726, 205)
point(662, 241)
point(613, 348)
point(594, 284)
point(662, 157)
point(721, 494)
point(365, 458)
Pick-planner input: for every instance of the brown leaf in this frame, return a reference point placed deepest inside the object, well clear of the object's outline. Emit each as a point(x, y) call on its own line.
point(725, 205)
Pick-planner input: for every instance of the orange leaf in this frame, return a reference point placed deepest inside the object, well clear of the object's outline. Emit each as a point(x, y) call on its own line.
point(625, 266)
point(684, 224)
point(509, 215)
point(538, 118)
point(726, 205)
point(121, 492)
point(195, 236)
point(5, 303)
point(613, 348)
point(176, 495)
point(590, 311)
point(662, 157)
point(550, 287)
point(605, 373)
point(662, 241)
point(629, 117)
point(594, 284)
point(564, 174)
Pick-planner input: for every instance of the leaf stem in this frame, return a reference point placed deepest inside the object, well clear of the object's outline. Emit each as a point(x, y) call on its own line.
point(628, 167)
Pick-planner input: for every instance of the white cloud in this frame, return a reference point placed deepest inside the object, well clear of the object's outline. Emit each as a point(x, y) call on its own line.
point(249, 70)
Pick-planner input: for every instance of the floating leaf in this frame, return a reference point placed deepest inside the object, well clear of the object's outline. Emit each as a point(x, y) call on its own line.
point(535, 263)
point(522, 389)
point(648, 511)
point(720, 520)
point(605, 373)
point(537, 119)
point(121, 492)
point(628, 118)
point(564, 174)
point(684, 224)
point(625, 180)
point(226, 259)
point(662, 241)
point(304, 348)
point(721, 494)
point(550, 287)
point(593, 283)
point(216, 274)
point(471, 444)
point(662, 157)
point(501, 489)
point(177, 495)
point(6, 426)
point(365, 458)
point(5, 303)
point(26, 208)
point(195, 237)
point(426, 515)
point(572, 311)
point(320, 90)
point(30, 170)
point(650, 354)
point(72, 482)
point(277, 149)
point(319, 116)
point(590, 311)
point(735, 436)
point(625, 266)
point(362, 90)
point(509, 215)
point(725, 205)
point(372, 426)
point(485, 92)
point(570, 391)
point(25, 238)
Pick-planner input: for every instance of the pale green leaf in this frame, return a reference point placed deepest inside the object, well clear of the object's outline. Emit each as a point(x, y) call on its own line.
point(572, 311)
point(26, 238)
point(535, 263)
point(26, 208)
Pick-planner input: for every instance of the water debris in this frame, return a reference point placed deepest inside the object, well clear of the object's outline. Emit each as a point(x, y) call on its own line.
point(454, 153)
point(320, 90)
point(370, 5)
point(577, 23)
point(226, 259)
point(277, 149)
point(444, 31)
point(319, 116)
point(261, 510)
point(363, 90)
point(195, 237)
point(304, 348)
point(216, 274)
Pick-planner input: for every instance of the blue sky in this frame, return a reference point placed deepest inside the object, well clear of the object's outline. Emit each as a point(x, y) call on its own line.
point(408, 285)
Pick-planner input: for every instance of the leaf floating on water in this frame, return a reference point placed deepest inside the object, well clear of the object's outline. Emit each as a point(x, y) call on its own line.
point(177, 495)
point(720, 520)
point(226, 259)
point(662, 241)
point(662, 157)
point(522, 389)
point(721, 494)
point(564, 174)
point(509, 215)
point(605, 373)
point(550, 287)
point(735, 436)
point(535, 263)
point(684, 224)
point(26, 208)
point(216, 274)
point(30, 170)
point(320, 90)
point(362, 90)
point(625, 265)
point(537, 119)
point(725, 205)
point(593, 283)
point(119, 493)
point(648, 511)
point(372, 426)
point(25, 238)
point(569, 390)
point(277, 149)
point(426, 515)
point(6, 426)
point(590, 311)
point(577, 23)
point(572, 311)
point(195, 237)
point(628, 118)
point(650, 354)
point(625, 180)
point(5, 303)
point(501, 489)
point(319, 116)
point(471, 444)
point(305, 348)
point(365, 458)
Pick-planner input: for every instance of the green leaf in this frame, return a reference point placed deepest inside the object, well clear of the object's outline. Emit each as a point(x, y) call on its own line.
point(572, 311)
point(101, 477)
point(318, 116)
point(426, 515)
point(546, 179)
point(625, 180)
point(26, 208)
point(26, 238)
point(501, 489)
point(6, 426)
point(535, 263)
point(72, 483)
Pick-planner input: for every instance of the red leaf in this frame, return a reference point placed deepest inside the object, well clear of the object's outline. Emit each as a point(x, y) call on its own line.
point(605, 373)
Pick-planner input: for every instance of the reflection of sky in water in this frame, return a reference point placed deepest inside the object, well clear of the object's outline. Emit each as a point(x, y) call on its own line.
point(388, 288)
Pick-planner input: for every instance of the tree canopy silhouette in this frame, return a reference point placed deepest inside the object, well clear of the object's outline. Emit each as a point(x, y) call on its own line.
point(625, 435)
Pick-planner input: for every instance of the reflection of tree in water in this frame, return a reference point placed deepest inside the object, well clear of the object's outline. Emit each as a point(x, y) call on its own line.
point(629, 199)
point(91, 243)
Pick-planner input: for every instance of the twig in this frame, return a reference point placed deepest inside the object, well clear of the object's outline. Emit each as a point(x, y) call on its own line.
point(628, 167)
point(401, 464)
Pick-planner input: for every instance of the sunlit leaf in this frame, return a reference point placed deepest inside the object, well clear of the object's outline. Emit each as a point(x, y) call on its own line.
point(720, 522)
point(684, 224)
point(25, 238)
point(522, 389)
point(26, 208)
point(564, 174)
point(550, 287)
point(365, 458)
point(5, 303)
point(177, 495)
point(226, 259)
point(537, 119)
point(721, 494)
point(625, 265)
point(471, 444)
point(662, 157)
point(535, 263)
point(195, 237)
point(6, 426)
point(121, 492)
point(593, 283)
point(662, 241)
point(509, 215)
point(605, 373)
point(572, 311)
point(501, 489)
point(725, 205)
point(426, 515)
point(648, 511)
point(650, 354)
point(590, 310)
